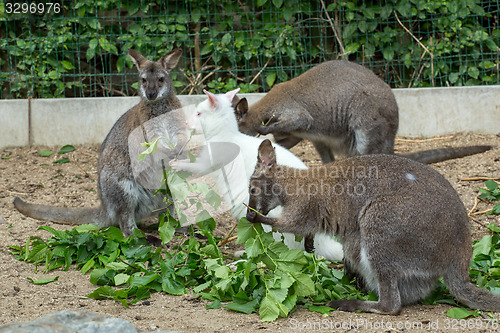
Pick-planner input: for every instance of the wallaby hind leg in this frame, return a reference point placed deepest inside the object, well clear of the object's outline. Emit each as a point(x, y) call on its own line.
point(324, 151)
point(368, 142)
point(353, 275)
point(389, 301)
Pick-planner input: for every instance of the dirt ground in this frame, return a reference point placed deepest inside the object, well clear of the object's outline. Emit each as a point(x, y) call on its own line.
point(24, 173)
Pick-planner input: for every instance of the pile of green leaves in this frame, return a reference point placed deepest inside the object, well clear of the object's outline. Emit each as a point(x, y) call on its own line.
point(269, 279)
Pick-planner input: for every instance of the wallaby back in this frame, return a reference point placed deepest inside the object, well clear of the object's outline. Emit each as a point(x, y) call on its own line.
point(402, 224)
point(123, 200)
point(343, 108)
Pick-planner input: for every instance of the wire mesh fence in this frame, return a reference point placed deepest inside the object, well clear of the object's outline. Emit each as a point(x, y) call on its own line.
point(79, 48)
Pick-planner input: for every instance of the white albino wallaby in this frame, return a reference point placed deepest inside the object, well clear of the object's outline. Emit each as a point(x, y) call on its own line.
point(215, 117)
point(402, 224)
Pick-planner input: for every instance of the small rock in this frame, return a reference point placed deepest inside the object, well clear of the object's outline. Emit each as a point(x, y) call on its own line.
point(75, 321)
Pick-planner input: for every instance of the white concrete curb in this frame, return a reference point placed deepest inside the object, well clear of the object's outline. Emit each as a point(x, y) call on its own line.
point(424, 112)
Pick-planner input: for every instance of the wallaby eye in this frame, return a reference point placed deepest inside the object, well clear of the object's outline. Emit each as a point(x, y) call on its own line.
point(198, 114)
point(253, 190)
point(143, 80)
point(161, 79)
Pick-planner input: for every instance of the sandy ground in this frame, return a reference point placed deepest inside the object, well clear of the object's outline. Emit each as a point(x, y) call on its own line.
point(34, 178)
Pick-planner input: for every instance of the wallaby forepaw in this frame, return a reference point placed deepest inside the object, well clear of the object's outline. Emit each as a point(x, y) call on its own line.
point(345, 305)
point(251, 216)
point(174, 164)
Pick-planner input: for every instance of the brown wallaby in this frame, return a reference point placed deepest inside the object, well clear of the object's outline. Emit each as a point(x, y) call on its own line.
point(342, 108)
point(123, 199)
point(401, 223)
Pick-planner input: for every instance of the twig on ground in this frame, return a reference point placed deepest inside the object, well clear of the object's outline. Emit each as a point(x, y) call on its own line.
point(482, 212)
point(228, 240)
point(471, 179)
point(477, 222)
point(476, 201)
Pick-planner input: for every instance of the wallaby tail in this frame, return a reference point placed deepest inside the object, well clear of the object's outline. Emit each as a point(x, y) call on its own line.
point(443, 154)
point(469, 294)
point(61, 215)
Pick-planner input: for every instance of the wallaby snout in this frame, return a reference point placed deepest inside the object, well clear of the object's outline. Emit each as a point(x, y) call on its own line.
point(151, 94)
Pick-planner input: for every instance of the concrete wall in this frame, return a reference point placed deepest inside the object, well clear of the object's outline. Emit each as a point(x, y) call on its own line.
point(423, 112)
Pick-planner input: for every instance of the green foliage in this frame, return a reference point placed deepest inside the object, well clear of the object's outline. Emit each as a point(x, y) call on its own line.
point(64, 150)
point(461, 313)
point(491, 193)
point(453, 41)
point(82, 51)
point(269, 279)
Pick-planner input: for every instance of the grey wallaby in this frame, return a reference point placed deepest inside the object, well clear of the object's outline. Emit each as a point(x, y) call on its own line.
point(123, 200)
point(401, 223)
point(342, 108)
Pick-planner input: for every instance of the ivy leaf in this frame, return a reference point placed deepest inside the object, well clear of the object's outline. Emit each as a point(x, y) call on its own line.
point(121, 278)
point(67, 65)
point(173, 287)
point(482, 246)
point(491, 184)
point(166, 229)
point(62, 161)
point(214, 305)
point(245, 231)
point(88, 266)
point(253, 247)
point(213, 199)
point(268, 310)
point(45, 153)
point(102, 293)
point(270, 78)
point(305, 285)
point(43, 281)
point(461, 313)
point(321, 309)
point(244, 307)
point(277, 3)
point(66, 149)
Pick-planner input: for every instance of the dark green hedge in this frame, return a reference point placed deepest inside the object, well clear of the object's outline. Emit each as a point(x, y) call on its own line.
point(81, 51)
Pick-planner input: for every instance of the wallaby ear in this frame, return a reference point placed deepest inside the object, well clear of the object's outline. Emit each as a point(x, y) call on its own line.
point(235, 102)
point(241, 109)
point(137, 58)
point(266, 157)
point(230, 94)
point(212, 99)
point(170, 60)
